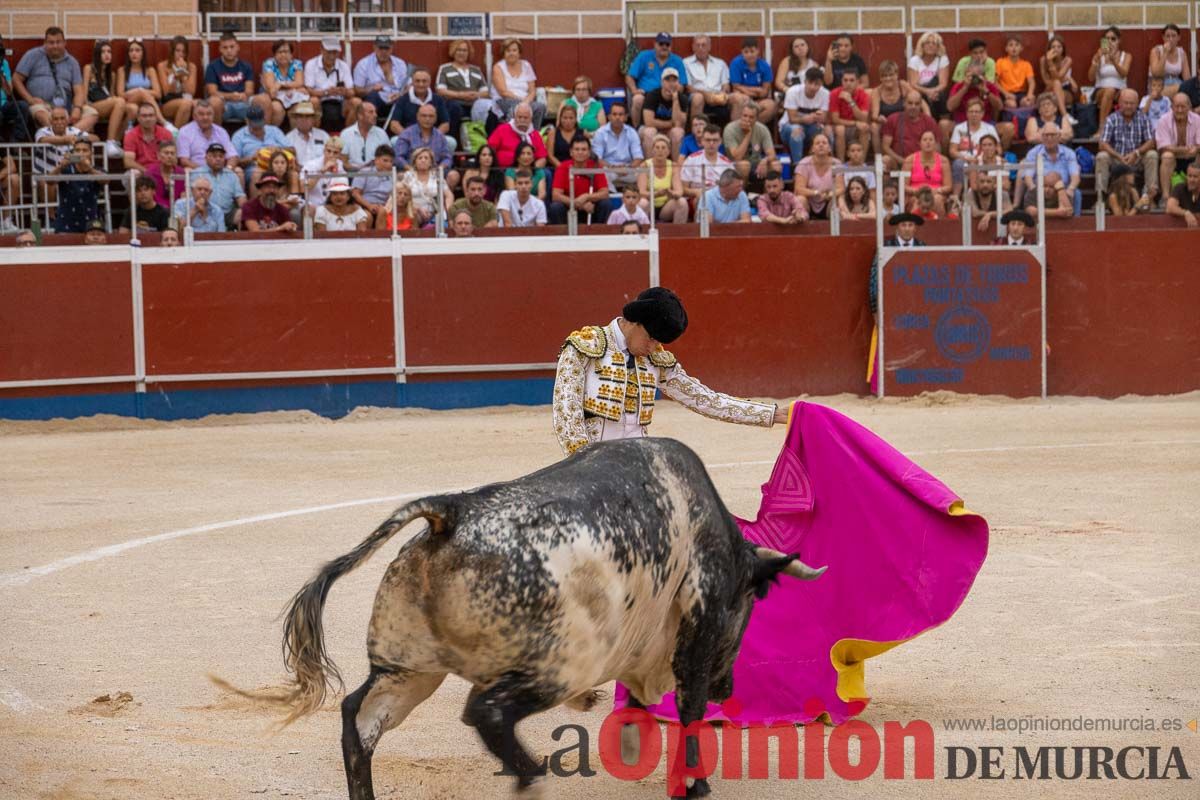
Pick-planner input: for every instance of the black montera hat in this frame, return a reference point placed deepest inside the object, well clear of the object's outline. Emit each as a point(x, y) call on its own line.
point(1017, 215)
point(906, 216)
point(660, 312)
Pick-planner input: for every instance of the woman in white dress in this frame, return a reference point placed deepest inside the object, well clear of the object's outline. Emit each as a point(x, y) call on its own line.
point(1109, 68)
point(1170, 62)
point(423, 183)
point(514, 82)
point(339, 213)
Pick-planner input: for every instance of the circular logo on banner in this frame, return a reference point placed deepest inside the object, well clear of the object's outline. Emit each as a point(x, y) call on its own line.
point(962, 334)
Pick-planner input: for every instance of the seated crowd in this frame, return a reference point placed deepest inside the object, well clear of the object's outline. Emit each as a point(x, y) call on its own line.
point(323, 138)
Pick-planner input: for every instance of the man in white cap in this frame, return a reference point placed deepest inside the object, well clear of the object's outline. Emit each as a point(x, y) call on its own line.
point(327, 78)
point(307, 140)
point(380, 77)
point(665, 111)
point(645, 73)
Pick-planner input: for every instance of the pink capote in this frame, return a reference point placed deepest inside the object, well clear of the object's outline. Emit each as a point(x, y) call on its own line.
point(900, 562)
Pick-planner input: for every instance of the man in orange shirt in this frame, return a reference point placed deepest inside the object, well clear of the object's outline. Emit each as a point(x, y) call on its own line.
point(1014, 75)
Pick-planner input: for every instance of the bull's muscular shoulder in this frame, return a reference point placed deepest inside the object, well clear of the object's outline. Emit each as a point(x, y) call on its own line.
point(591, 341)
point(663, 358)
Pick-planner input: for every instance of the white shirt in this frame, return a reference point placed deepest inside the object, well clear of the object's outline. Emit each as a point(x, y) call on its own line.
point(960, 132)
point(307, 149)
point(698, 169)
point(333, 222)
point(927, 72)
point(47, 158)
point(316, 76)
point(518, 85)
point(710, 76)
point(797, 99)
point(523, 216)
point(316, 195)
point(424, 192)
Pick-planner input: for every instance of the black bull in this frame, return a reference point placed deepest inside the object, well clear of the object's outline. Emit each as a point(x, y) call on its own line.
point(619, 563)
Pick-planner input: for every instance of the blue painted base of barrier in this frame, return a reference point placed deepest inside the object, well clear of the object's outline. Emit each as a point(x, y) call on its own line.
point(333, 400)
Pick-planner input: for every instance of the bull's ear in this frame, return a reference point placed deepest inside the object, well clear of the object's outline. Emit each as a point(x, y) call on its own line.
point(771, 563)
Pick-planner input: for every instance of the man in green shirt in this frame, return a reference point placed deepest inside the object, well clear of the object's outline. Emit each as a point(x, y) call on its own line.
point(748, 144)
point(483, 213)
point(978, 50)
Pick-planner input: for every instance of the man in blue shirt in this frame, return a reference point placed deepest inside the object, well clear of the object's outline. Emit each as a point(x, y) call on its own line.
point(726, 202)
point(751, 78)
point(255, 135)
point(227, 194)
point(199, 212)
point(645, 73)
point(616, 144)
point(229, 83)
point(1060, 169)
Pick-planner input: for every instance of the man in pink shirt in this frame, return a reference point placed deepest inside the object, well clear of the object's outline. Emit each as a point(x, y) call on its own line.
point(167, 174)
point(141, 141)
point(1177, 137)
point(508, 137)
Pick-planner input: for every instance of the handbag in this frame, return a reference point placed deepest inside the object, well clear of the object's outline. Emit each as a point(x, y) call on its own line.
point(97, 92)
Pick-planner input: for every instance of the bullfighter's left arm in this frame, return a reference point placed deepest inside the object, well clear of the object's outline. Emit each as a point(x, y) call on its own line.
point(683, 388)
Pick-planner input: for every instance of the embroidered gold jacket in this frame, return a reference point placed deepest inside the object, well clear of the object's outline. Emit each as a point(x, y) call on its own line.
point(596, 387)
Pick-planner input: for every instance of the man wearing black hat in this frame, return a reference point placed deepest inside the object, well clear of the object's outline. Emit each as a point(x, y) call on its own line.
point(1016, 221)
point(607, 377)
point(906, 230)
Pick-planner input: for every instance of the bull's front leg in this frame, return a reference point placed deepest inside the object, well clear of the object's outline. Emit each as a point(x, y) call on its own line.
point(692, 666)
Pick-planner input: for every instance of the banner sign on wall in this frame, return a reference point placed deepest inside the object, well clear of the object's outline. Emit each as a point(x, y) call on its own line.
point(962, 320)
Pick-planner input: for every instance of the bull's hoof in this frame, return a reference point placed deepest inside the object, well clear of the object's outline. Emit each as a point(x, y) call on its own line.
point(699, 789)
point(534, 791)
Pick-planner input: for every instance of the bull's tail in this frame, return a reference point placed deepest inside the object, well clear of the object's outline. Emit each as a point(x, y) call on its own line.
point(304, 653)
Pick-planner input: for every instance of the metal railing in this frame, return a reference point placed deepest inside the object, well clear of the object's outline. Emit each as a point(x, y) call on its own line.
point(417, 25)
point(28, 159)
point(94, 177)
point(263, 26)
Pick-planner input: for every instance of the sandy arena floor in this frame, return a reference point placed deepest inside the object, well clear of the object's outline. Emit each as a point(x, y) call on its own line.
point(1085, 607)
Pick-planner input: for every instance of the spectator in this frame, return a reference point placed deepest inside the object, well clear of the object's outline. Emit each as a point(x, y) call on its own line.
point(371, 192)
point(62, 135)
point(748, 144)
point(902, 131)
point(751, 79)
point(630, 209)
point(1169, 61)
point(990, 156)
point(26, 239)
point(518, 208)
point(905, 236)
point(977, 56)
point(422, 180)
point(379, 79)
point(1017, 223)
point(779, 206)
point(229, 83)
point(48, 77)
point(1014, 75)
point(514, 83)
point(854, 165)
point(406, 219)
point(100, 80)
point(485, 168)
point(617, 145)
point(670, 203)
point(964, 141)
point(197, 211)
point(794, 67)
point(590, 191)
point(10, 189)
point(665, 110)
point(929, 168)
point(708, 79)
point(462, 225)
point(886, 99)
point(806, 113)
point(631, 226)
point(364, 137)
point(178, 78)
point(841, 57)
point(420, 93)
point(520, 128)
point(150, 215)
point(227, 193)
point(526, 159)
point(1123, 199)
point(12, 116)
point(253, 137)
point(282, 82)
point(1055, 66)
point(281, 163)
point(169, 238)
point(1047, 111)
point(814, 178)
point(198, 135)
point(1109, 68)
point(1061, 169)
point(975, 85)
point(167, 174)
point(1128, 139)
point(423, 135)
point(142, 141)
point(691, 142)
point(265, 212)
point(588, 110)
point(1177, 138)
point(95, 233)
point(929, 72)
point(305, 139)
point(700, 171)
point(327, 78)
point(482, 213)
point(891, 198)
point(1185, 198)
point(646, 71)
point(339, 212)
point(857, 204)
point(924, 203)
point(726, 202)
point(137, 81)
point(78, 201)
point(982, 200)
point(565, 131)
point(463, 87)
point(1156, 105)
point(850, 113)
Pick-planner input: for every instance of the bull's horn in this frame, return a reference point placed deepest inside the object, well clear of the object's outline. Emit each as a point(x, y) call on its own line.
point(797, 569)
